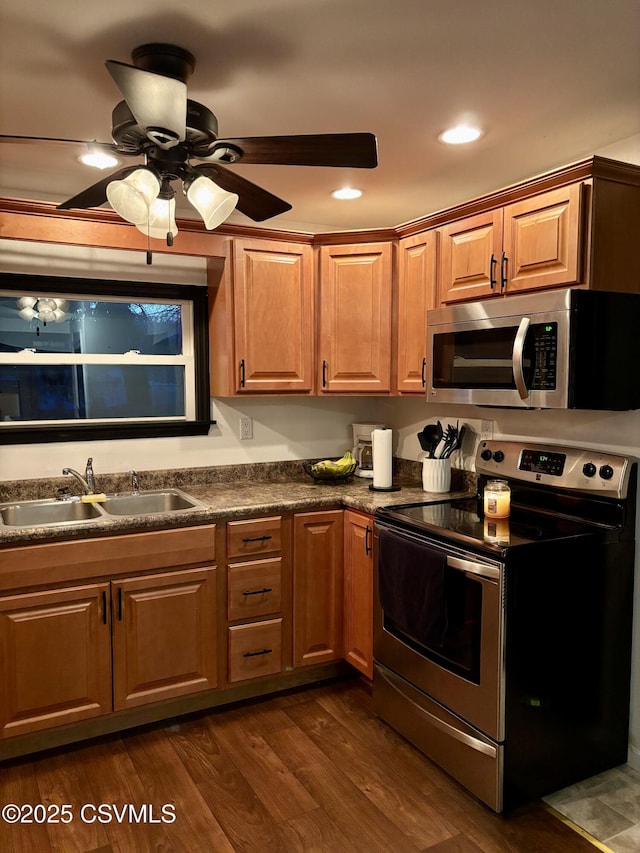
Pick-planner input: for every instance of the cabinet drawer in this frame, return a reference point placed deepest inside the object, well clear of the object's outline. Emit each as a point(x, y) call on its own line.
point(255, 650)
point(254, 537)
point(80, 559)
point(254, 589)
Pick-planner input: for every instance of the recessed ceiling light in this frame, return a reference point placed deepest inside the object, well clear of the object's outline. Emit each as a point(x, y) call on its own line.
point(347, 193)
point(460, 134)
point(98, 159)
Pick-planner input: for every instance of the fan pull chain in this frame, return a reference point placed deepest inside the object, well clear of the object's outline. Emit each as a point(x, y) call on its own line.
point(149, 255)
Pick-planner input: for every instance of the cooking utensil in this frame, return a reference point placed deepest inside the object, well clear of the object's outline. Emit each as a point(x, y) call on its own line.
point(430, 438)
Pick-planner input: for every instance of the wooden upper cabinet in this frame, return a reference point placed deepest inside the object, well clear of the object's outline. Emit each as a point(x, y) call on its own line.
point(542, 240)
point(164, 636)
point(273, 317)
point(55, 658)
point(416, 295)
point(355, 318)
point(470, 255)
point(531, 244)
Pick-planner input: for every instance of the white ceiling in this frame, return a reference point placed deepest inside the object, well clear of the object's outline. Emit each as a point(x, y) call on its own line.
point(551, 82)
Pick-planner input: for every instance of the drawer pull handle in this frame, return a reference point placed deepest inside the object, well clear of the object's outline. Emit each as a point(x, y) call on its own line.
point(254, 654)
point(257, 591)
point(256, 538)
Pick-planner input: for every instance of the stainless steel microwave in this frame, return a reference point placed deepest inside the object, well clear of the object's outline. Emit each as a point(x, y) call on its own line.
point(557, 349)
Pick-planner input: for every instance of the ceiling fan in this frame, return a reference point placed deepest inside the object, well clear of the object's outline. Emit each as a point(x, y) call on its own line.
point(157, 121)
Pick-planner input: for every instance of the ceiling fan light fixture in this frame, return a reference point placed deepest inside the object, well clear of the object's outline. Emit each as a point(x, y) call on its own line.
point(460, 134)
point(161, 219)
point(347, 193)
point(132, 197)
point(212, 202)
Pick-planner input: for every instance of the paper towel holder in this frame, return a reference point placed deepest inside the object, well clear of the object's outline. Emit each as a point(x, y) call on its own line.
point(373, 488)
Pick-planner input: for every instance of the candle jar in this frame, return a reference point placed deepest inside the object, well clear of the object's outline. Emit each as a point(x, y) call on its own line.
point(497, 499)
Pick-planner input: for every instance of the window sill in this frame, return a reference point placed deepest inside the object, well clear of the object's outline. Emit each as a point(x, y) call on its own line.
point(94, 432)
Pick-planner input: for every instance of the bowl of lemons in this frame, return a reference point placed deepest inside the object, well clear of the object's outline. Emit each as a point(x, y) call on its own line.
point(332, 470)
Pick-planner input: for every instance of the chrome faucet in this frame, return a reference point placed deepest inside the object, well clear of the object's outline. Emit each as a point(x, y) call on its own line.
point(87, 482)
point(135, 482)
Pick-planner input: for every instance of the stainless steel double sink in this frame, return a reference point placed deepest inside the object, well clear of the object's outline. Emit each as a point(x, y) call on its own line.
point(52, 512)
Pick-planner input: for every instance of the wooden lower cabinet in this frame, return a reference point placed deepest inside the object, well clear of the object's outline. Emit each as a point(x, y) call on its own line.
point(255, 650)
point(55, 658)
point(317, 587)
point(164, 636)
point(358, 591)
point(95, 643)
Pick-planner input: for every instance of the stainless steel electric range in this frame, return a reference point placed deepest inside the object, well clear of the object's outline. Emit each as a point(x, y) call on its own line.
point(503, 647)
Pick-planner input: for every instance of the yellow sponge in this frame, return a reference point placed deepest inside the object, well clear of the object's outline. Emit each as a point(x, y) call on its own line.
point(100, 498)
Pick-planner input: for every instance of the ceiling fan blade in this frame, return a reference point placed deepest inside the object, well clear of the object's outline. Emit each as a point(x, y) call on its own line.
point(359, 150)
point(34, 140)
point(158, 103)
point(94, 195)
point(256, 203)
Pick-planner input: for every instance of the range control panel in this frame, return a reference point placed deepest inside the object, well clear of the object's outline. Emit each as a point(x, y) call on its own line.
point(576, 468)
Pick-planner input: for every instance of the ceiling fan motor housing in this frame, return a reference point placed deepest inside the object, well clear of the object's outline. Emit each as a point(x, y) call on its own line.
point(201, 130)
point(166, 59)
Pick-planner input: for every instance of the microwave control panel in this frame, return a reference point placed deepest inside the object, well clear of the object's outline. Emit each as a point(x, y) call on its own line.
point(545, 347)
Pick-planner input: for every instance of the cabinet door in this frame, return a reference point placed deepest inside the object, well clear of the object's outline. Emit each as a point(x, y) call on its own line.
point(416, 296)
point(470, 255)
point(164, 636)
point(273, 316)
point(358, 591)
point(355, 318)
point(55, 658)
point(542, 240)
point(317, 587)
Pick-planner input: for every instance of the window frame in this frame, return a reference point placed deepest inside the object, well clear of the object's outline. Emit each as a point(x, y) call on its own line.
point(25, 284)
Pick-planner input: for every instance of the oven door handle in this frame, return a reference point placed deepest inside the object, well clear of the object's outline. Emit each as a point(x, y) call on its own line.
point(482, 569)
point(518, 358)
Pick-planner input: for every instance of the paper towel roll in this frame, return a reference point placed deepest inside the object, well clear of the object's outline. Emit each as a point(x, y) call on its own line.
point(382, 458)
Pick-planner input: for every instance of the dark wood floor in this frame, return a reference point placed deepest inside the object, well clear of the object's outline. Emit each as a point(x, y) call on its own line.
point(311, 770)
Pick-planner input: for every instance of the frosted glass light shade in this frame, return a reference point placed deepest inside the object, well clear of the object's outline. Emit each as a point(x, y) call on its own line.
point(212, 202)
point(162, 219)
point(132, 197)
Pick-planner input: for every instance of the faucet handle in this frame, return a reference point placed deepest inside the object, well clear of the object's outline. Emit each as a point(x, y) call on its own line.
point(135, 482)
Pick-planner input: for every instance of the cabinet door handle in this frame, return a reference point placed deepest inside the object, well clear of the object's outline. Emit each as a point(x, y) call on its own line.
point(120, 604)
point(324, 374)
point(256, 538)
point(242, 374)
point(257, 591)
point(503, 271)
point(492, 268)
point(254, 654)
point(367, 534)
point(104, 607)
point(422, 372)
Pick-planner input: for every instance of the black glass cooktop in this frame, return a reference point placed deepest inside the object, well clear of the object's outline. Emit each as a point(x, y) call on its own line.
point(459, 520)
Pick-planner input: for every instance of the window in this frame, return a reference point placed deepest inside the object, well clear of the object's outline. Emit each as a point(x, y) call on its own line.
point(101, 359)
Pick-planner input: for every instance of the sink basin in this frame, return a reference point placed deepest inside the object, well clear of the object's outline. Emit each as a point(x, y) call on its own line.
point(147, 503)
point(47, 512)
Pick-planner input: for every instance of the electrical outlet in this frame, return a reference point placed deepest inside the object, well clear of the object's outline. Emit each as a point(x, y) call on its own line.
point(246, 428)
point(486, 430)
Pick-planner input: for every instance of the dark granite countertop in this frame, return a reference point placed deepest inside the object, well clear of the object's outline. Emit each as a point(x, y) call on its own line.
point(226, 492)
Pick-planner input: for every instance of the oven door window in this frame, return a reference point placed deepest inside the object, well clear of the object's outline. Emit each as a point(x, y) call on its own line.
point(431, 607)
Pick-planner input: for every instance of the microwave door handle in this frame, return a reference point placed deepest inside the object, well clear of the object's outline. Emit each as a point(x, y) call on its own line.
point(518, 358)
